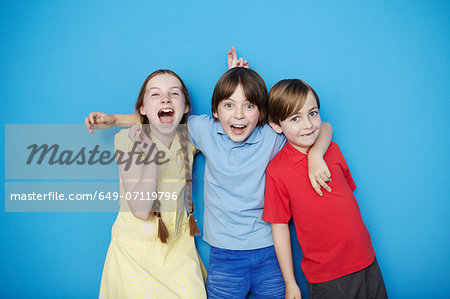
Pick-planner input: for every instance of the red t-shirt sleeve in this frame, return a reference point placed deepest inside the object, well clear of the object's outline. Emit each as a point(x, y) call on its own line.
point(276, 206)
point(347, 174)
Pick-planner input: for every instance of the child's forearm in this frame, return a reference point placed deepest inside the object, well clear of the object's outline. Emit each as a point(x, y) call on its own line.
point(125, 120)
point(282, 242)
point(320, 147)
point(139, 180)
point(317, 168)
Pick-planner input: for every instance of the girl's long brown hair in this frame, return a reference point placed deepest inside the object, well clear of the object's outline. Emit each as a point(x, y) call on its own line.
point(163, 233)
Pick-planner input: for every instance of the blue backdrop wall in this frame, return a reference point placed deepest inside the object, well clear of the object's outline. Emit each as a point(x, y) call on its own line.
point(380, 68)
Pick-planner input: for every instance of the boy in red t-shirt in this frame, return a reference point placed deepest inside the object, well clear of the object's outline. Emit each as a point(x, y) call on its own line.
point(338, 257)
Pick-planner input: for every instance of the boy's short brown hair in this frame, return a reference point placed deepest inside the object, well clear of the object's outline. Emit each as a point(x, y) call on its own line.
point(253, 86)
point(287, 97)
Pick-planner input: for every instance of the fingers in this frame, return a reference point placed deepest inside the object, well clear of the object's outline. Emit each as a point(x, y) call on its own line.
point(323, 184)
point(233, 53)
point(132, 132)
point(230, 59)
point(88, 125)
point(138, 136)
point(318, 183)
point(324, 177)
point(316, 187)
point(93, 118)
point(233, 60)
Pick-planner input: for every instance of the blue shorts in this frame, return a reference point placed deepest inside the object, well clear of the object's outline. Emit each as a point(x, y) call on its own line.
point(235, 273)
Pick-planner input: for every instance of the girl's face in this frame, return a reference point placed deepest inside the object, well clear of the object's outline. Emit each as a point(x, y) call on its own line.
point(164, 103)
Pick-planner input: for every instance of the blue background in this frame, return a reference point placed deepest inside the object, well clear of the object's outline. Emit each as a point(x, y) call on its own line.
point(381, 70)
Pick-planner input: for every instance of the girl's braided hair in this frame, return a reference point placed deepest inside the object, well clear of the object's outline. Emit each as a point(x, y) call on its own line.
point(163, 233)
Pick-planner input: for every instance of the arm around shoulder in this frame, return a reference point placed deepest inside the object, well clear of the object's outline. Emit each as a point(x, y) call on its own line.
point(100, 120)
point(322, 143)
point(317, 168)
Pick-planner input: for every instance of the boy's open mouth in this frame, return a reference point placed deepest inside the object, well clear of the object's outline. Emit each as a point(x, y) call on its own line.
point(238, 129)
point(165, 115)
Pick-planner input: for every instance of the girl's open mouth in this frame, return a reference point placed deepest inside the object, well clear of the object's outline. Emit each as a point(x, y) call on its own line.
point(238, 129)
point(165, 115)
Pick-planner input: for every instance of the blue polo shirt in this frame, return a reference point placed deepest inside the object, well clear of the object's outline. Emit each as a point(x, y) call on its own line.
point(234, 183)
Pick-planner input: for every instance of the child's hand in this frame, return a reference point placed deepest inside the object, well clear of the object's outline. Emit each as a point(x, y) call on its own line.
point(293, 292)
point(136, 134)
point(98, 120)
point(318, 173)
point(233, 61)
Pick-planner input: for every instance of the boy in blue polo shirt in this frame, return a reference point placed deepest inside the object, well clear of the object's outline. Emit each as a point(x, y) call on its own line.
point(238, 145)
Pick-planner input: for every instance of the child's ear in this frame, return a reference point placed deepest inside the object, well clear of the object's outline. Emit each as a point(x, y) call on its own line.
point(216, 115)
point(275, 127)
point(186, 109)
point(141, 110)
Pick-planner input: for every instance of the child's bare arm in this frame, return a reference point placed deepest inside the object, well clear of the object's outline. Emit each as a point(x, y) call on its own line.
point(100, 120)
point(317, 168)
point(139, 179)
point(282, 242)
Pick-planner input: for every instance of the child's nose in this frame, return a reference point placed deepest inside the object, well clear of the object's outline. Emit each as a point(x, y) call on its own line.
point(307, 124)
point(238, 113)
point(165, 99)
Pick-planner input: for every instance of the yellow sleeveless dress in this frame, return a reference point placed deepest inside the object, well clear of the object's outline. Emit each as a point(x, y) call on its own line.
point(138, 264)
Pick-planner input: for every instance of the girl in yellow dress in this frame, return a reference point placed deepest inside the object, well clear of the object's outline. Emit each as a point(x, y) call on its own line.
point(152, 252)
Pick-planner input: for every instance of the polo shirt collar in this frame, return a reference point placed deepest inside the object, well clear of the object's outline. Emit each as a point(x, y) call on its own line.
point(174, 147)
point(254, 137)
point(293, 154)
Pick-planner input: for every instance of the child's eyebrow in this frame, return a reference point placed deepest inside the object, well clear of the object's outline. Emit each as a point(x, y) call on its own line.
point(156, 87)
point(153, 88)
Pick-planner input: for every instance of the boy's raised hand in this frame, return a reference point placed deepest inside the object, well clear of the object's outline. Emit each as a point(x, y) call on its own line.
point(98, 120)
point(233, 60)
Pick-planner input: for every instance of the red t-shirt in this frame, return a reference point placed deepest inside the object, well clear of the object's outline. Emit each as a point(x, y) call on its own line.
point(334, 240)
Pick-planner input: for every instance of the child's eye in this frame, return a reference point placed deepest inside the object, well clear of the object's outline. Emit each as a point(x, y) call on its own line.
point(155, 94)
point(250, 106)
point(295, 118)
point(228, 105)
point(175, 94)
point(314, 113)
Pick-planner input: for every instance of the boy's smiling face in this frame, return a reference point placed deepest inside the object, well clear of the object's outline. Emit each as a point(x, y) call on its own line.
point(237, 116)
point(302, 128)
